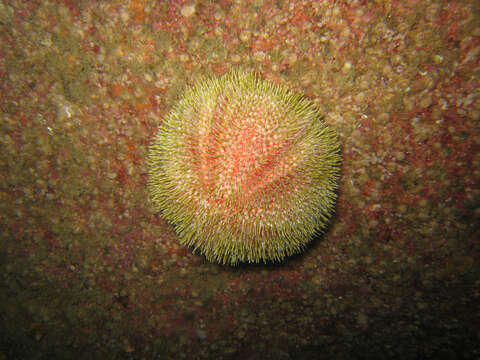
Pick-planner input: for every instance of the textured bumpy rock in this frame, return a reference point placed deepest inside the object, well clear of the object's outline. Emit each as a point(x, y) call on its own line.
point(244, 169)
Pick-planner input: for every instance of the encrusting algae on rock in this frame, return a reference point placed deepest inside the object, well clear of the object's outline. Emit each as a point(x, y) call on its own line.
point(244, 169)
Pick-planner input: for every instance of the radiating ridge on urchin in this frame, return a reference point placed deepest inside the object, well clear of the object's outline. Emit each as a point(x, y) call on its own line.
point(244, 169)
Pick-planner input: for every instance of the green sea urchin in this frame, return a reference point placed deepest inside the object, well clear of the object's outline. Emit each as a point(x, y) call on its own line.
point(244, 169)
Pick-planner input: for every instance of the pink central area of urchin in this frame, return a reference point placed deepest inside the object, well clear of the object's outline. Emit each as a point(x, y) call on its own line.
point(246, 161)
point(242, 158)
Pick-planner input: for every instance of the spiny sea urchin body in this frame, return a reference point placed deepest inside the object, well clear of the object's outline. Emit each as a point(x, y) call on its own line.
point(244, 169)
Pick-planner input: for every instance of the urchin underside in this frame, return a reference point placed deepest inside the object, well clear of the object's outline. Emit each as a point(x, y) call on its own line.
point(245, 170)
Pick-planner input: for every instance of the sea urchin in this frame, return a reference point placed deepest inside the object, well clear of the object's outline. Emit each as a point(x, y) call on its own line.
point(244, 169)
